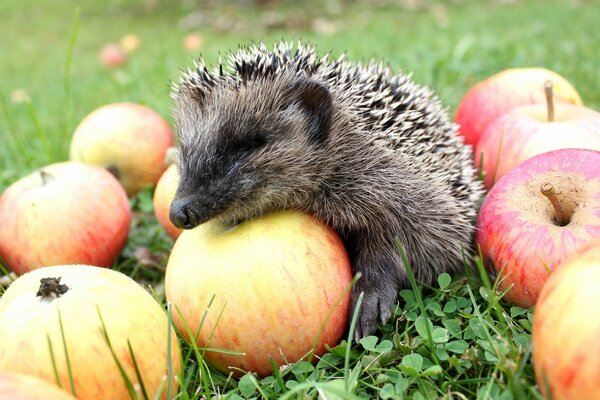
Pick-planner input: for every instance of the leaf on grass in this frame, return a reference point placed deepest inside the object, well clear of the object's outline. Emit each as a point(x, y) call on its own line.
point(302, 367)
point(444, 280)
point(439, 335)
point(247, 385)
point(421, 325)
point(414, 360)
point(453, 327)
point(369, 342)
point(457, 346)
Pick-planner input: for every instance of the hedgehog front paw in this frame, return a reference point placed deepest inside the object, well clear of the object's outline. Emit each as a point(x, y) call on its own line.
point(376, 306)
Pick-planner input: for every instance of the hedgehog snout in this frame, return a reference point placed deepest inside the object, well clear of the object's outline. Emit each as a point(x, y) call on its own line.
point(182, 215)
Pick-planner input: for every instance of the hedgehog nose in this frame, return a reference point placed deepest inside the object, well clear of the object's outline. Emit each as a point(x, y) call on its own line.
point(181, 215)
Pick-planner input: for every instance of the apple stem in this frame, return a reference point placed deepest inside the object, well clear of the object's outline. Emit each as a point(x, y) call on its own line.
point(563, 214)
point(113, 170)
point(45, 176)
point(51, 288)
point(549, 90)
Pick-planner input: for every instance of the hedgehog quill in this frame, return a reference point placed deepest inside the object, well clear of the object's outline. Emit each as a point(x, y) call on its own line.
point(367, 151)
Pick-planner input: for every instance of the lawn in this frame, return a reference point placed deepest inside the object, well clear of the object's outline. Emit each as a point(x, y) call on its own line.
point(51, 78)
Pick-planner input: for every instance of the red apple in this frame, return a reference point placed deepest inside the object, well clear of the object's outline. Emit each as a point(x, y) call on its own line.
point(84, 308)
point(499, 93)
point(527, 131)
point(163, 197)
point(15, 386)
point(128, 139)
point(538, 214)
point(193, 41)
point(63, 213)
point(112, 55)
point(566, 349)
point(280, 285)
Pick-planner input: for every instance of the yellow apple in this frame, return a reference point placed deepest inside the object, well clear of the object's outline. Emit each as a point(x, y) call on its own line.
point(24, 387)
point(163, 196)
point(54, 311)
point(64, 213)
point(280, 285)
point(128, 139)
point(566, 328)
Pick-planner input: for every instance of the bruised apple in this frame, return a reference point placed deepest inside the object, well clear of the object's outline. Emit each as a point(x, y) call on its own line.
point(15, 386)
point(163, 196)
point(566, 349)
point(537, 215)
point(130, 140)
point(102, 319)
point(280, 285)
point(67, 212)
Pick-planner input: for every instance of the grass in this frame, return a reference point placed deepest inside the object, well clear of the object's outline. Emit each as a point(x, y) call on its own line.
point(455, 340)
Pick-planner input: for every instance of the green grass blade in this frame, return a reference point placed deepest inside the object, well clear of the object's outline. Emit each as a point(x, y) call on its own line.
point(67, 359)
point(419, 298)
point(137, 371)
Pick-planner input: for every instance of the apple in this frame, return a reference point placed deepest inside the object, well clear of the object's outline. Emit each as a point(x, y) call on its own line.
point(537, 215)
point(526, 131)
point(67, 212)
point(163, 197)
point(130, 42)
point(15, 386)
point(193, 41)
point(503, 91)
point(112, 55)
point(280, 285)
point(128, 139)
point(566, 349)
point(77, 310)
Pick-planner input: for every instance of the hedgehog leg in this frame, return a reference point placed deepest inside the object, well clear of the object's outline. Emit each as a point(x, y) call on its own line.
point(380, 268)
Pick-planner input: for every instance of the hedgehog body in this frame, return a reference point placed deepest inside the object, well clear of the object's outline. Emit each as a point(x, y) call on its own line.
point(369, 152)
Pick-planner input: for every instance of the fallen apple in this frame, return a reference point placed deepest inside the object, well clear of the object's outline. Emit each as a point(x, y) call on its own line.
point(503, 91)
point(163, 196)
point(103, 320)
point(566, 349)
point(538, 214)
point(15, 386)
point(527, 131)
point(128, 139)
point(130, 42)
point(63, 213)
point(193, 41)
point(112, 55)
point(280, 285)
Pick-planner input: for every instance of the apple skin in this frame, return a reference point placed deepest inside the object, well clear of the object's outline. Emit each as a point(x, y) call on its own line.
point(276, 279)
point(566, 349)
point(525, 132)
point(15, 386)
point(112, 55)
point(515, 227)
point(130, 314)
point(505, 90)
point(163, 197)
point(79, 214)
point(129, 139)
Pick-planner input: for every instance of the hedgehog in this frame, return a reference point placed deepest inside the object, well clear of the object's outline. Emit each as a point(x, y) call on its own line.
point(365, 150)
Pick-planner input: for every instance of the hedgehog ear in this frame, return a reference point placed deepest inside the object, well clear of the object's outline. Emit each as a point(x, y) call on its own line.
point(315, 100)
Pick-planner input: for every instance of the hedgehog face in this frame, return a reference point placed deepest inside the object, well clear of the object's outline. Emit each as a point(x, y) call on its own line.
point(250, 149)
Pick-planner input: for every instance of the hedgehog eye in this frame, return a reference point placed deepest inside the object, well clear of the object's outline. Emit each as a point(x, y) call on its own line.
point(248, 144)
